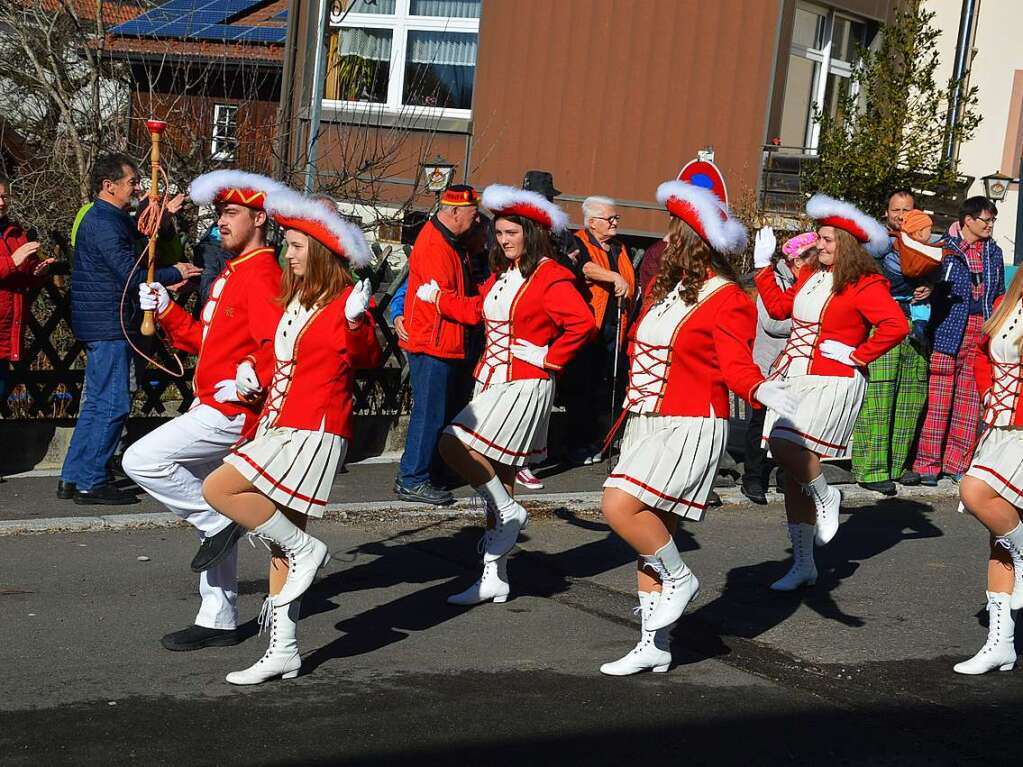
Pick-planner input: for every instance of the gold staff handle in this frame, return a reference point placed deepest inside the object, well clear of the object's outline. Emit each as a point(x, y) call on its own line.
point(156, 127)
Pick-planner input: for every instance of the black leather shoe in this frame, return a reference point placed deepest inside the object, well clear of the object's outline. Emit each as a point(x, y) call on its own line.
point(214, 548)
point(198, 637)
point(929, 480)
point(424, 493)
point(713, 500)
point(65, 490)
point(885, 487)
point(104, 495)
point(909, 478)
point(755, 493)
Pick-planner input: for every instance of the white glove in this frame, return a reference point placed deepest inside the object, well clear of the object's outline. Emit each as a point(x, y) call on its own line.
point(836, 350)
point(153, 297)
point(245, 380)
point(428, 292)
point(777, 395)
point(358, 300)
point(531, 353)
point(764, 245)
point(225, 391)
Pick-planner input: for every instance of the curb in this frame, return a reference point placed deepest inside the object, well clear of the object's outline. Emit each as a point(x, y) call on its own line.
point(463, 508)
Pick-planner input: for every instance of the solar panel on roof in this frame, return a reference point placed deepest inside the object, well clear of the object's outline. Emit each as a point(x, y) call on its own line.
point(201, 20)
point(261, 35)
point(282, 15)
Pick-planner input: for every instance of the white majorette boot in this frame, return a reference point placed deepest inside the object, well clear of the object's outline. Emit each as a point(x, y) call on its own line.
point(803, 571)
point(305, 555)
point(1012, 542)
point(510, 517)
point(826, 500)
point(998, 651)
point(492, 585)
point(678, 586)
point(281, 658)
point(652, 653)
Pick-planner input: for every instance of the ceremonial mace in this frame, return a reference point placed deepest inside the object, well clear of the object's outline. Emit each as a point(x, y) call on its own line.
point(149, 221)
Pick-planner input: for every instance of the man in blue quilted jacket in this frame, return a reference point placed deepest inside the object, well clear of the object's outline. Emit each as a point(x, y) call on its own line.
point(106, 248)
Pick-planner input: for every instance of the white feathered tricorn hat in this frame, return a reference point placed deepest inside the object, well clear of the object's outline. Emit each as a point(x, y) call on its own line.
point(237, 187)
point(502, 200)
point(311, 216)
point(699, 198)
point(827, 211)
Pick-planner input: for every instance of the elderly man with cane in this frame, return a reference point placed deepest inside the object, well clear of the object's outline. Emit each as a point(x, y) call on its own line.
point(610, 283)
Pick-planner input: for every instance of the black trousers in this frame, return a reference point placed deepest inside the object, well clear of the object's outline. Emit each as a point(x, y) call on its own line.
point(756, 466)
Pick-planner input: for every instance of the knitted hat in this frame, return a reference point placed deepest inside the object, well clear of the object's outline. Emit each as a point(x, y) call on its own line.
point(916, 220)
point(292, 210)
point(798, 245)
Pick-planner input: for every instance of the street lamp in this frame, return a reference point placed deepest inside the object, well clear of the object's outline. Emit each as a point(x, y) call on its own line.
point(996, 186)
point(436, 175)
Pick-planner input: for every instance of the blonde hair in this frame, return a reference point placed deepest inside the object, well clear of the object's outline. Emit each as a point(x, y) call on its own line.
point(1008, 306)
point(325, 278)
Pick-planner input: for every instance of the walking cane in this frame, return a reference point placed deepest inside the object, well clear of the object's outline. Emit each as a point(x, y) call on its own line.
point(614, 377)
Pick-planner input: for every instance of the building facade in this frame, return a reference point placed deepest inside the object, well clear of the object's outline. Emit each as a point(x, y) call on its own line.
point(611, 96)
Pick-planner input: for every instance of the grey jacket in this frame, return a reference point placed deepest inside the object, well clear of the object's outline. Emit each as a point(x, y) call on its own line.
point(772, 334)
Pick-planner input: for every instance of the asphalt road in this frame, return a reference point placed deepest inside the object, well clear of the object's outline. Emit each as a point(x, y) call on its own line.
point(854, 671)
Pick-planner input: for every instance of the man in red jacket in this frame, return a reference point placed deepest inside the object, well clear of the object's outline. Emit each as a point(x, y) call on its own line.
point(435, 347)
point(233, 339)
point(20, 271)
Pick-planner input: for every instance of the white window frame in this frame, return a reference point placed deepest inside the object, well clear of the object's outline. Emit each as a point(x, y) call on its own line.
point(401, 22)
point(227, 153)
point(828, 65)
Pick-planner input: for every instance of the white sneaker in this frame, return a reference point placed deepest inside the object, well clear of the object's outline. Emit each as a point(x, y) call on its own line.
point(803, 571)
point(527, 479)
point(281, 658)
point(492, 586)
point(998, 651)
point(652, 653)
point(501, 539)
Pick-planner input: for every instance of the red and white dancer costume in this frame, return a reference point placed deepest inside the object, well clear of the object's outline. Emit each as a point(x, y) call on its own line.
point(684, 359)
point(534, 325)
point(998, 459)
point(306, 423)
point(236, 324)
point(830, 392)
point(834, 336)
point(510, 410)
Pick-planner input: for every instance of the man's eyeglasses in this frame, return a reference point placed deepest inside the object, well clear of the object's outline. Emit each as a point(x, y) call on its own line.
point(611, 220)
point(987, 221)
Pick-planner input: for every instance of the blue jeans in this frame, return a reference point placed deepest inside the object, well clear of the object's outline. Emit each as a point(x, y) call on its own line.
point(102, 414)
point(433, 380)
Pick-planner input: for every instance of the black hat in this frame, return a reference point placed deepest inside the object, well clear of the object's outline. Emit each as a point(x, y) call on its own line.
point(542, 182)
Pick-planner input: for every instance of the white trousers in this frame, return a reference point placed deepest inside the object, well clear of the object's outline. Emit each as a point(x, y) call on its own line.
point(170, 463)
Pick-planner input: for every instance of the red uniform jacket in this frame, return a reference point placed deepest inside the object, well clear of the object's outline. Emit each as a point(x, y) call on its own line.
point(317, 390)
point(245, 317)
point(1011, 392)
point(711, 352)
point(547, 311)
point(434, 258)
point(15, 283)
point(847, 317)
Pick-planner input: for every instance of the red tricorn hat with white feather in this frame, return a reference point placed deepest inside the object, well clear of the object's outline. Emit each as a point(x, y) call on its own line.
point(313, 217)
point(233, 187)
point(504, 200)
point(699, 197)
point(827, 211)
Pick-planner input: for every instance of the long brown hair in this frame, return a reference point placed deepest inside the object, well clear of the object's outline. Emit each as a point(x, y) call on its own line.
point(324, 279)
point(687, 258)
point(536, 242)
point(851, 261)
point(1008, 306)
